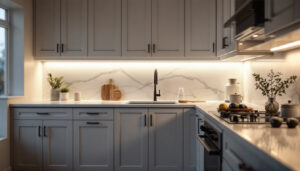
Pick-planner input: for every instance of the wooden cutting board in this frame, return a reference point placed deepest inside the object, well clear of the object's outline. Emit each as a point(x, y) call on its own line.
point(110, 91)
point(191, 101)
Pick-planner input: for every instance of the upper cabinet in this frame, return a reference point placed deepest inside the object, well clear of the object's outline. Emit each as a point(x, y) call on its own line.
point(200, 28)
point(280, 14)
point(47, 28)
point(104, 28)
point(168, 28)
point(61, 28)
point(130, 28)
point(226, 41)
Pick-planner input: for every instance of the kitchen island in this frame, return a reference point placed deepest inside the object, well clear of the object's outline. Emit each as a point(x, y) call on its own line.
point(278, 148)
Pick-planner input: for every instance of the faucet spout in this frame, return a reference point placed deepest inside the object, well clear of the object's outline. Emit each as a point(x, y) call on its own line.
point(155, 94)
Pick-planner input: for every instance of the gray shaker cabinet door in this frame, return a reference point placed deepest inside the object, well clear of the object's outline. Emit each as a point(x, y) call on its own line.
point(190, 139)
point(131, 139)
point(93, 145)
point(74, 27)
point(104, 28)
point(136, 28)
point(47, 28)
point(168, 28)
point(200, 28)
point(27, 145)
point(57, 145)
point(166, 140)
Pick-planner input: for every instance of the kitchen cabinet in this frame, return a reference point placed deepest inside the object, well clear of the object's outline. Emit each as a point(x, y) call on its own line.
point(200, 28)
point(168, 28)
point(136, 28)
point(153, 28)
point(104, 28)
point(93, 145)
point(165, 139)
point(226, 41)
point(42, 142)
point(57, 145)
point(131, 139)
point(28, 145)
point(190, 151)
point(61, 28)
point(159, 130)
point(47, 28)
point(280, 14)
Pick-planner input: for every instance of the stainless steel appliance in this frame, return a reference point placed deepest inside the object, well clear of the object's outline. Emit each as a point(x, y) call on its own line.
point(251, 117)
point(210, 138)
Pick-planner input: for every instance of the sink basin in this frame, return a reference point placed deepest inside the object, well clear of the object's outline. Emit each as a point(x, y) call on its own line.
point(152, 102)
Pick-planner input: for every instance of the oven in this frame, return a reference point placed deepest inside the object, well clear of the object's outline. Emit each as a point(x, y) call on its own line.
point(210, 140)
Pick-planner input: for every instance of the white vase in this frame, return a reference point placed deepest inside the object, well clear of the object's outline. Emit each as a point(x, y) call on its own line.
point(54, 95)
point(64, 96)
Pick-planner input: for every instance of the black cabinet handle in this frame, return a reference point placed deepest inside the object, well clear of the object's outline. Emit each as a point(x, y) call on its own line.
point(151, 120)
point(45, 131)
point(149, 48)
point(145, 120)
point(57, 48)
point(92, 113)
point(42, 113)
point(39, 132)
point(62, 48)
point(93, 123)
point(244, 167)
point(213, 47)
point(153, 48)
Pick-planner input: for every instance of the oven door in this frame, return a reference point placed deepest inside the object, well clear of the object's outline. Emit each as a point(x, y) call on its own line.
point(210, 156)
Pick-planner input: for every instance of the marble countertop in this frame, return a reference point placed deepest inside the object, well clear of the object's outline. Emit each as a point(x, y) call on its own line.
point(282, 144)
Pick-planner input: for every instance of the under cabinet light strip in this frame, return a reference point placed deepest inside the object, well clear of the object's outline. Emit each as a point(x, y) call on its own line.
point(286, 46)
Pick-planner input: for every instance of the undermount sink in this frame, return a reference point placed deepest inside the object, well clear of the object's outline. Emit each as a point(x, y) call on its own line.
point(152, 102)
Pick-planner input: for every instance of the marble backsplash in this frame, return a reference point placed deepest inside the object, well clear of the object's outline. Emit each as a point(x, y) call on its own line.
point(288, 66)
point(200, 80)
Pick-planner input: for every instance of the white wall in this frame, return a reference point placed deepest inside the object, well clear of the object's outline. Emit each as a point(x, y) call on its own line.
point(32, 75)
point(288, 66)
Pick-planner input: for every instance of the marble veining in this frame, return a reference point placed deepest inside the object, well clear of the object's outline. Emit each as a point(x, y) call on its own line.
point(200, 80)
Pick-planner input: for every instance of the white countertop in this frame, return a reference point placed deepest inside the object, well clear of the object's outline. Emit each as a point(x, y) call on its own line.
point(282, 144)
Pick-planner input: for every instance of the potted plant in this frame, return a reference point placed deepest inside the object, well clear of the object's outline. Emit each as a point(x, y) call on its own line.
point(64, 94)
point(272, 86)
point(55, 83)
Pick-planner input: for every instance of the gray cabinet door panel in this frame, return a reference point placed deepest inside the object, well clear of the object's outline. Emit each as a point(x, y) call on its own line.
point(57, 145)
point(47, 27)
point(104, 27)
point(74, 27)
point(136, 28)
point(190, 135)
point(168, 28)
point(93, 145)
point(166, 140)
point(131, 139)
point(27, 145)
point(200, 28)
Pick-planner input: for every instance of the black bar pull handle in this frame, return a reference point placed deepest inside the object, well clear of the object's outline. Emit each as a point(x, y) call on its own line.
point(42, 113)
point(149, 48)
point(153, 48)
point(45, 131)
point(145, 120)
point(62, 48)
point(39, 131)
point(93, 123)
point(92, 113)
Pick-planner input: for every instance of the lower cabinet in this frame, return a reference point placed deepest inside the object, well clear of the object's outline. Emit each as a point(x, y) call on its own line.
point(148, 140)
point(43, 145)
point(93, 145)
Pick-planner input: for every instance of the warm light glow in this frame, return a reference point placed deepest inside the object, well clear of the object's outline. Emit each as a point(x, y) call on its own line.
point(286, 46)
point(255, 35)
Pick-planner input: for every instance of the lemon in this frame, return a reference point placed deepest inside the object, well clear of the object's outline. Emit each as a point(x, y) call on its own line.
point(223, 107)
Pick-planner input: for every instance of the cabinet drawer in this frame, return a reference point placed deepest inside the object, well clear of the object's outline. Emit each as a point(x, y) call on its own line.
point(42, 113)
point(94, 113)
point(242, 156)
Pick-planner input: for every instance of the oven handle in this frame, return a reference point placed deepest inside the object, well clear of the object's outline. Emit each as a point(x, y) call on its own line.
point(211, 151)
